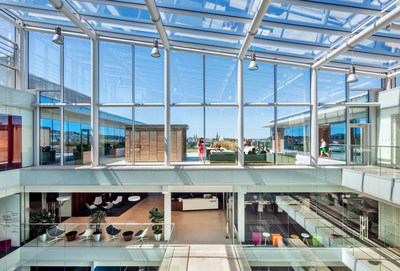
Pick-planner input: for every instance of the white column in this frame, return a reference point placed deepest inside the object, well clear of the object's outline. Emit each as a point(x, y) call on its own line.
point(240, 114)
point(167, 216)
point(62, 108)
point(241, 216)
point(21, 57)
point(167, 108)
point(94, 101)
point(36, 132)
point(275, 116)
point(372, 141)
point(348, 135)
point(133, 108)
point(314, 118)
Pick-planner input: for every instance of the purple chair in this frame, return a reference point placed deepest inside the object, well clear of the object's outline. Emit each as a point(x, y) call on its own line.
point(256, 238)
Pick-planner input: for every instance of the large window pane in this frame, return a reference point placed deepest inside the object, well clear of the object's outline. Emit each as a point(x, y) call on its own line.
point(258, 131)
point(259, 84)
point(293, 135)
point(77, 136)
point(331, 87)
point(149, 135)
point(293, 85)
point(221, 131)
point(50, 136)
point(77, 70)
point(115, 73)
point(7, 30)
point(7, 77)
point(186, 78)
point(186, 140)
point(44, 62)
point(221, 80)
point(149, 76)
point(112, 135)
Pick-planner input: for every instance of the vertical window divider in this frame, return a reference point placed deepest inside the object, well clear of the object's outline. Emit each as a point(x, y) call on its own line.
point(275, 137)
point(133, 107)
point(62, 107)
point(204, 96)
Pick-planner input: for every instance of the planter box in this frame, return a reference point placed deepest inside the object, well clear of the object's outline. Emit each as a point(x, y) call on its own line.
point(119, 152)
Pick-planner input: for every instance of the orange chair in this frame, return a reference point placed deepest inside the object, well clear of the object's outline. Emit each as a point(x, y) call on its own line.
point(276, 239)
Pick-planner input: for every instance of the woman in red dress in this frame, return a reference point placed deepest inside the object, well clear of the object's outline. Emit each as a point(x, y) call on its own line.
point(200, 145)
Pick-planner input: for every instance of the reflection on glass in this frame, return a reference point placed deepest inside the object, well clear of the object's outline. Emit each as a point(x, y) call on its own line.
point(77, 70)
point(113, 136)
point(7, 77)
point(50, 136)
point(331, 87)
point(186, 78)
point(258, 134)
point(332, 129)
point(221, 80)
point(115, 73)
point(192, 118)
point(258, 84)
point(293, 85)
point(149, 76)
point(44, 62)
point(77, 137)
point(221, 138)
point(293, 137)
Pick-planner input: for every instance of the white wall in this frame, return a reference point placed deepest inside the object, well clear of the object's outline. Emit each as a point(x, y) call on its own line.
point(10, 219)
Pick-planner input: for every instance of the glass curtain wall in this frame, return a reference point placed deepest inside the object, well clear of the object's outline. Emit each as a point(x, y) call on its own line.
point(50, 136)
point(7, 75)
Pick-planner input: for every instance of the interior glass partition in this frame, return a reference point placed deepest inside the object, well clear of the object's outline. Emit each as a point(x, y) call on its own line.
point(77, 136)
point(50, 136)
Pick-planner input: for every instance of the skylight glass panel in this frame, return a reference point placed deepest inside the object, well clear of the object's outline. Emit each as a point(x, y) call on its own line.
point(124, 29)
point(204, 39)
point(43, 4)
point(241, 8)
point(290, 51)
point(314, 17)
point(202, 23)
point(296, 35)
point(370, 4)
point(110, 11)
point(374, 62)
point(380, 47)
point(42, 18)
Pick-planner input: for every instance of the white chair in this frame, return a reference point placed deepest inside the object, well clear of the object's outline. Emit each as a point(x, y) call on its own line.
point(141, 235)
point(91, 207)
point(117, 201)
point(86, 234)
point(98, 201)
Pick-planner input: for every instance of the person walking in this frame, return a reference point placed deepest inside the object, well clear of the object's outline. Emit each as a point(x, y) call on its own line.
point(200, 146)
point(323, 148)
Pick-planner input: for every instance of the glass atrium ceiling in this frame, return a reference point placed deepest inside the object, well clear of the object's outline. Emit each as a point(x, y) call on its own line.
point(303, 31)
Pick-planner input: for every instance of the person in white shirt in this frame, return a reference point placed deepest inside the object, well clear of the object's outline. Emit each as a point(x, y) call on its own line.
point(323, 148)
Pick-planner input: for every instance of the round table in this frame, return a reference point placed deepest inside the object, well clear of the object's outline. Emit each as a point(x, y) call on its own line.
point(305, 236)
point(134, 198)
point(266, 235)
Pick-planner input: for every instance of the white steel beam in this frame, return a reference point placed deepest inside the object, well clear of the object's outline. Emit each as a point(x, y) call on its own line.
point(363, 35)
point(155, 17)
point(254, 28)
point(10, 21)
point(59, 5)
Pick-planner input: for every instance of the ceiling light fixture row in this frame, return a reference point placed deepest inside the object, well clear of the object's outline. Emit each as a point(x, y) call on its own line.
point(155, 52)
point(352, 77)
point(58, 37)
point(253, 64)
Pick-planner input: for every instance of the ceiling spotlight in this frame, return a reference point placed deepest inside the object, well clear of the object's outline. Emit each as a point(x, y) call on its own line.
point(155, 52)
point(253, 64)
point(58, 38)
point(352, 77)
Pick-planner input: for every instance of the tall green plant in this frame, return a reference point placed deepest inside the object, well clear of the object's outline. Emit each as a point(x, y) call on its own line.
point(96, 219)
point(156, 217)
point(42, 218)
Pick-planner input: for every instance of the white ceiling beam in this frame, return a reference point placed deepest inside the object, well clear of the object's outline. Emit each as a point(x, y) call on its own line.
point(254, 27)
point(155, 17)
point(363, 35)
point(59, 5)
point(10, 21)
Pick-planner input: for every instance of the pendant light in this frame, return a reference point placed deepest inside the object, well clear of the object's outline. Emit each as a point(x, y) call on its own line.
point(253, 64)
point(352, 77)
point(58, 38)
point(155, 52)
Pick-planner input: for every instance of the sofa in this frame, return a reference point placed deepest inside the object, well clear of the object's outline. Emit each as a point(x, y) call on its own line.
point(225, 157)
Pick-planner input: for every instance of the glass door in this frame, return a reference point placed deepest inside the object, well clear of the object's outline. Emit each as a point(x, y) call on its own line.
point(358, 143)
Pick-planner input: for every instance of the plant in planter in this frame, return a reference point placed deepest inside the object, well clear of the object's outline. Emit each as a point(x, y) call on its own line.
point(95, 220)
point(43, 220)
point(156, 217)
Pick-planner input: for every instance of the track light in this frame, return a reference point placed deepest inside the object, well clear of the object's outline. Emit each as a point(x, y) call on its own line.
point(155, 52)
point(58, 38)
point(352, 77)
point(253, 64)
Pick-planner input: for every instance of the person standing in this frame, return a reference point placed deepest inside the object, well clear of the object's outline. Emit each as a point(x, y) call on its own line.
point(323, 148)
point(200, 146)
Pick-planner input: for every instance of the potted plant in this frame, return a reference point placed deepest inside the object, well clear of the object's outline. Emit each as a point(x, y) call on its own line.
point(158, 218)
point(95, 220)
point(43, 220)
